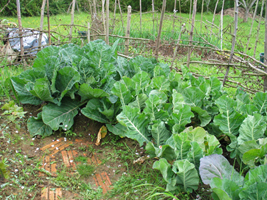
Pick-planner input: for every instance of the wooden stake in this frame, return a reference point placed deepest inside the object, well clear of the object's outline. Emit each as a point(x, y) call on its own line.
point(254, 15)
point(72, 19)
point(140, 2)
point(115, 9)
point(160, 28)
point(107, 21)
point(202, 7)
point(128, 30)
point(233, 41)
point(174, 13)
point(103, 16)
point(222, 24)
point(191, 32)
point(41, 25)
point(258, 29)
point(88, 32)
point(212, 24)
point(48, 23)
point(20, 29)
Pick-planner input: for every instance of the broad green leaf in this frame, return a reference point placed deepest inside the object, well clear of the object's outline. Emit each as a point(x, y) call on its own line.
point(36, 126)
point(177, 101)
point(252, 155)
point(212, 145)
point(136, 124)
point(161, 83)
point(139, 102)
point(180, 119)
point(87, 92)
point(65, 80)
point(256, 175)
point(197, 135)
point(248, 145)
point(41, 89)
point(195, 154)
point(60, 116)
point(260, 101)
point(229, 123)
point(160, 133)
point(141, 81)
point(161, 70)
point(181, 146)
point(255, 191)
point(117, 129)
point(203, 115)
point(187, 175)
point(120, 90)
point(164, 151)
point(248, 109)
point(193, 96)
point(225, 189)
point(226, 104)
point(252, 128)
point(92, 111)
point(218, 166)
point(19, 83)
point(165, 168)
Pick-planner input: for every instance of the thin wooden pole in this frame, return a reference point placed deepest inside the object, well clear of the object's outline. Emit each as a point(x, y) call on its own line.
point(41, 25)
point(160, 28)
point(103, 15)
point(222, 25)
point(174, 13)
point(20, 29)
point(212, 24)
point(94, 2)
point(233, 41)
point(88, 32)
point(153, 11)
point(202, 7)
point(265, 49)
point(140, 2)
point(258, 29)
point(190, 9)
point(107, 21)
point(128, 30)
point(72, 19)
point(48, 23)
point(180, 8)
point(254, 15)
point(177, 44)
point(191, 32)
point(119, 4)
point(114, 18)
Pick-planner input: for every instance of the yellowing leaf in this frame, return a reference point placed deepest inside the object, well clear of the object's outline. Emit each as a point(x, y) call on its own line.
point(101, 134)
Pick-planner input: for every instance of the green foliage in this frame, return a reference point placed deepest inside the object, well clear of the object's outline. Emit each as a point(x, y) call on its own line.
point(226, 183)
point(4, 174)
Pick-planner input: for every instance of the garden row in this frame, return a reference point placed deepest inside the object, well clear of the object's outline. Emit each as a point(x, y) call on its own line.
point(179, 118)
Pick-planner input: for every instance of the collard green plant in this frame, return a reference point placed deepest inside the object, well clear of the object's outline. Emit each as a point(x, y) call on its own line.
point(226, 183)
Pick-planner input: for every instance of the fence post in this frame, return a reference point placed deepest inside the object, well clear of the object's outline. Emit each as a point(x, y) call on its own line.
point(72, 19)
point(258, 30)
point(212, 24)
point(233, 42)
point(160, 28)
point(20, 29)
point(254, 15)
point(88, 33)
point(140, 2)
point(103, 15)
point(174, 12)
point(107, 21)
point(128, 30)
point(222, 25)
point(265, 49)
point(191, 32)
point(202, 7)
point(115, 8)
point(41, 24)
point(48, 23)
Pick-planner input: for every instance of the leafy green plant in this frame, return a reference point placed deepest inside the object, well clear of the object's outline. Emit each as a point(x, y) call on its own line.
point(85, 170)
point(4, 174)
point(226, 183)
